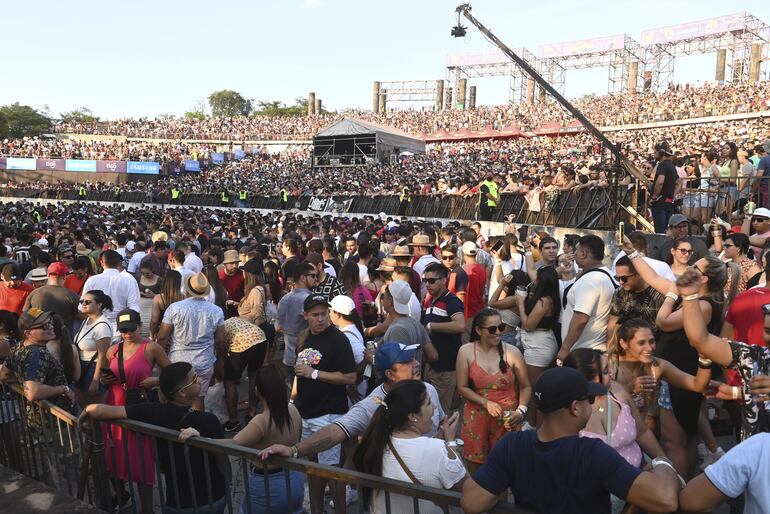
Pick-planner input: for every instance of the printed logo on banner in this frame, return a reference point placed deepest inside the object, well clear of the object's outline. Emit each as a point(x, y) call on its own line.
point(88, 166)
point(192, 165)
point(239, 154)
point(21, 163)
point(50, 164)
point(317, 204)
point(217, 158)
point(111, 166)
point(144, 168)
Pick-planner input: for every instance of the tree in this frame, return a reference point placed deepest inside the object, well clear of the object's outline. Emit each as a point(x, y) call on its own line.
point(229, 103)
point(22, 120)
point(81, 115)
point(278, 109)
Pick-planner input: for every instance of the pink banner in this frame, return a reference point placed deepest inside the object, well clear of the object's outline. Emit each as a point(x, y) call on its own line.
point(694, 29)
point(599, 44)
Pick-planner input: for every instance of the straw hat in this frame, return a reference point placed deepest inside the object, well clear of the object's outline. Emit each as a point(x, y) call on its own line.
point(421, 240)
point(401, 251)
point(159, 235)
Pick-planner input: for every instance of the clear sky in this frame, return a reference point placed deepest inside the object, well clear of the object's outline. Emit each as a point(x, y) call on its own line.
point(144, 58)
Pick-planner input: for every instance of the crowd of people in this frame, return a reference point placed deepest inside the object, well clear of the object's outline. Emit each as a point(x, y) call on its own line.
point(444, 355)
point(683, 101)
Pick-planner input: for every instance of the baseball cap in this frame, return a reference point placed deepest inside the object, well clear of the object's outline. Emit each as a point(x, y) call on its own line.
point(676, 219)
point(32, 318)
point(342, 304)
point(58, 269)
point(11, 271)
point(313, 300)
point(391, 352)
point(469, 248)
point(128, 319)
point(557, 388)
point(401, 293)
point(762, 212)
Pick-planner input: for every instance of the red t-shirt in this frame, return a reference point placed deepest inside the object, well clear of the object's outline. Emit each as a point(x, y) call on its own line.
point(233, 284)
point(13, 299)
point(74, 284)
point(474, 290)
point(745, 314)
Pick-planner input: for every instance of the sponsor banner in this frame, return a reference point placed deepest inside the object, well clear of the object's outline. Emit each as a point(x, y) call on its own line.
point(111, 166)
point(20, 163)
point(599, 44)
point(239, 154)
point(2, 163)
point(694, 29)
point(143, 168)
point(51, 164)
point(217, 158)
point(338, 205)
point(317, 204)
point(191, 165)
point(80, 165)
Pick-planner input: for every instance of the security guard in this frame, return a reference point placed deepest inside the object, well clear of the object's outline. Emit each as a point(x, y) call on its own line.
point(404, 199)
point(117, 191)
point(82, 193)
point(488, 198)
point(175, 195)
point(225, 198)
point(284, 194)
point(242, 194)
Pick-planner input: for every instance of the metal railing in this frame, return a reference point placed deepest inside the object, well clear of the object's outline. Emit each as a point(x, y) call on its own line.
point(44, 442)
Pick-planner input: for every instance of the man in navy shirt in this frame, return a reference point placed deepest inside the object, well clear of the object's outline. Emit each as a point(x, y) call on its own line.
point(553, 470)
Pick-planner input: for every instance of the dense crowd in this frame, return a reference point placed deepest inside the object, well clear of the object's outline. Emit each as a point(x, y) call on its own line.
point(676, 103)
point(446, 355)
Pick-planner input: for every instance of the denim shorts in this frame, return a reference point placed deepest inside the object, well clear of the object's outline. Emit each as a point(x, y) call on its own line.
point(664, 397)
point(330, 457)
point(279, 500)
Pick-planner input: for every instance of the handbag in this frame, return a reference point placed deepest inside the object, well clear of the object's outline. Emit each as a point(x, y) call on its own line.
point(134, 395)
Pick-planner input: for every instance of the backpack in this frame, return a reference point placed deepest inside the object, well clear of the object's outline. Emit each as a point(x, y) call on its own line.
point(567, 289)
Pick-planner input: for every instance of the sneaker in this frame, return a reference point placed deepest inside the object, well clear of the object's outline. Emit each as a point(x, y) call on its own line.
point(712, 457)
point(232, 426)
point(124, 503)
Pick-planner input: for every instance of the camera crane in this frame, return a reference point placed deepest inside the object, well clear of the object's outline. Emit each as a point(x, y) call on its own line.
point(620, 161)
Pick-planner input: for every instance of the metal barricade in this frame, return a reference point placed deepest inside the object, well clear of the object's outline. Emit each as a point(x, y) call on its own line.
point(44, 442)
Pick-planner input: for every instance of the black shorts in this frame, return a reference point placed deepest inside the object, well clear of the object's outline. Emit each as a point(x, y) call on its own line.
point(252, 358)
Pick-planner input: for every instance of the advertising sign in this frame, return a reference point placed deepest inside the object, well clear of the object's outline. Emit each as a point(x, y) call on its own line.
point(50, 164)
point(111, 166)
point(143, 168)
point(80, 165)
point(599, 44)
point(20, 163)
point(190, 165)
point(693, 29)
point(239, 154)
point(217, 158)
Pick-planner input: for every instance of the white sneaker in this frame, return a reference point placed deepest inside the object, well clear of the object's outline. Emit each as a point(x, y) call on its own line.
point(712, 457)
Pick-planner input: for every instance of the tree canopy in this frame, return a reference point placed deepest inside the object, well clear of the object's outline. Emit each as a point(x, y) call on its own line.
point(229, 103)
point(22, 120)
point(81, 115)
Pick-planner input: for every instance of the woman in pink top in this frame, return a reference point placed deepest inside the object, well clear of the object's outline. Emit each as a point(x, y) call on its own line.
point(627, 432)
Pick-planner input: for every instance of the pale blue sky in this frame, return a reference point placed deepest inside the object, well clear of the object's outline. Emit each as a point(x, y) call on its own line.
point(143, 58)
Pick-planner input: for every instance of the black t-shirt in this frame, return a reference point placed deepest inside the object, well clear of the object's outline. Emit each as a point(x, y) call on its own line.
point(175, 417)
point(447, 345)
point(571, 475)
point(315, 397)
point(668, 170)
point(288, 267)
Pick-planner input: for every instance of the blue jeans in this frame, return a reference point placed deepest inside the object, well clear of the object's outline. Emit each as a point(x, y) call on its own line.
point(216, 507)
point(661, 213)
point(279, 501)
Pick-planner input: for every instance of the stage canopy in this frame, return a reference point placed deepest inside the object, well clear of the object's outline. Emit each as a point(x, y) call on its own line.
point(351, 142)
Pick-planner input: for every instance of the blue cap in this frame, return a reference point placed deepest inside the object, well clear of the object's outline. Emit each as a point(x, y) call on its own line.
point(391, 352)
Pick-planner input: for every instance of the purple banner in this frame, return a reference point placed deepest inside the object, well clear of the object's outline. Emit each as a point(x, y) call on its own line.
point(110, 166)
point(711, 26)
point(599, 44)
point(50, 164)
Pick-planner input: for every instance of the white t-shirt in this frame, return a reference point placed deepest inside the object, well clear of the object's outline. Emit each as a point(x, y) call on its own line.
point(659, 267)
point(592, 295)
point(429, 462)
point(745, 469)
point(357, 345)
point(89, 333)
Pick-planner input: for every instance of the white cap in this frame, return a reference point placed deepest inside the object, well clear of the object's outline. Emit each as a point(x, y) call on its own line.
point(130, 246)
point(401, 293)
point(342, 304)
point(469, 248)
point(762, 212)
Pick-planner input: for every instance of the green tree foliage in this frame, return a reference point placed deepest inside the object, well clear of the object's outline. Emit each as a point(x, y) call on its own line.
point(22, 120)
point(194, 115)
point(229, 103)
point(81, 115)
point(278, 109)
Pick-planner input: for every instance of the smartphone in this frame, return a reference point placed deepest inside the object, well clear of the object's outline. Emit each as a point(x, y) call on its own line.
point(106, 371)
point(498, 245)
point(523, 232)
point(621, 232)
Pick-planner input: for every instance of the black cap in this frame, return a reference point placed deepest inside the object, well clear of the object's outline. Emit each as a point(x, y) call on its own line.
point(253, 266)
point(128, 319)
point(11, 271)
point(315, 299)
point(557, 388)
point(172, 376)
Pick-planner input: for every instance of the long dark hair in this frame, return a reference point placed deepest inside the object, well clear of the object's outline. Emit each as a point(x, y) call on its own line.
point(171, 287)
point(10, 321)
point(349, 276)
point(272, 282)
point(587, 361)
point(102, 299)
point(271, 386)
point(483, 315)
point(547, 286)
point(406, 397)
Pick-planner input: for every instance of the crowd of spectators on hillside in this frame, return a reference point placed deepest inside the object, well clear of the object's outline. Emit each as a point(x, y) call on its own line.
point(677, 102)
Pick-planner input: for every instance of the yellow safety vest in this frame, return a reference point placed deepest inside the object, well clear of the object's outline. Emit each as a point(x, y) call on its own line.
point(284, 195)
point(242, 195)
point(82, 191)
point(492, 185)
point(37, 216)
point(404, 195)
point(225, 197)
point(175, 193)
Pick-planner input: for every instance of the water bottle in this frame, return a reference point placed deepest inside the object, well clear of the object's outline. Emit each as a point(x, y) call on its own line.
point(750, 208)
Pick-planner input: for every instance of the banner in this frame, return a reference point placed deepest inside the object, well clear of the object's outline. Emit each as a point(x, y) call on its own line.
point(191, 165)
point(111, 166)
point(2, 163)
point(20, 163)
point(731, 23)
point(80, 165)
point(239, 154)
point(317, 204)
point(50, 164)
point(217, 158)
point(599, 44)
point(143, 168)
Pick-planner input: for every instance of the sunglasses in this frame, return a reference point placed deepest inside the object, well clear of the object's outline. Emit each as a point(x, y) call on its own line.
point(193, 381)
point(85, 302)
point(492, 329)
point(431, 281)
point(696, 268)
point(684, 251)
point(766, 308)
point(45, 326)
point(125, 330)
point(447, 257)
point(728, 246)
point(758, 220)
point(623, 278)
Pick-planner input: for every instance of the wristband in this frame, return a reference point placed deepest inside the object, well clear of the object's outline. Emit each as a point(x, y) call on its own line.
point(673, 296)
point(716, 233)
point(695, 296)
point(660, 462)
point(704, 363)
point(523, 409)
point(633, 255)
point(294, 452)
point(736, 392)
